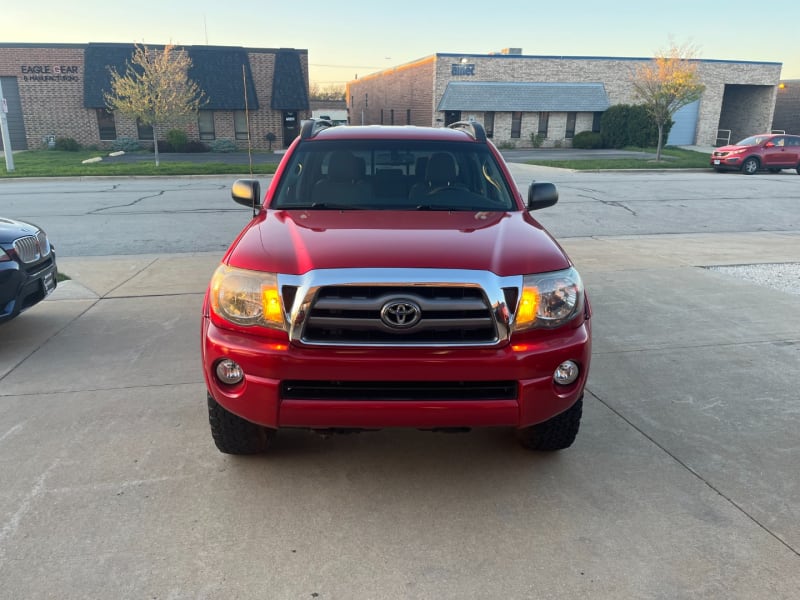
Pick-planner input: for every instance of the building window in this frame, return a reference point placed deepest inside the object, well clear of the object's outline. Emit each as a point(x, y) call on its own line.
point(544, 118)
point(570, 125)
point(381, 116)
point(516, 124)
point(408, 116)
point(145, 132)
point(240, 125)
point(391, 116)
point(596, 122)
point(106, 124)
point(488, 123)
point(205, 124)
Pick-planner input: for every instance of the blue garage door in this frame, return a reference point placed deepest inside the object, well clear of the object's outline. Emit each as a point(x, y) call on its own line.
point(683, 131)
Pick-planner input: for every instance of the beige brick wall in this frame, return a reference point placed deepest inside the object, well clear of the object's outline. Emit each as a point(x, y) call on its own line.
point(55, 106)
point(403, 88)
point(723, 79)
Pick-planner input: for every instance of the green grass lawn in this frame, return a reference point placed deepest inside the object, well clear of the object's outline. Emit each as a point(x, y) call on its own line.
point(671, 158)
point(54, 163)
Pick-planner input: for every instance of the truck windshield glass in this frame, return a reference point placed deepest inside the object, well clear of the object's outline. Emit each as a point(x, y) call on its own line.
point(392, 175)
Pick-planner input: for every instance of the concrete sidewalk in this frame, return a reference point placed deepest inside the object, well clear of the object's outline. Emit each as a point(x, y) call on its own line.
point(683, 482)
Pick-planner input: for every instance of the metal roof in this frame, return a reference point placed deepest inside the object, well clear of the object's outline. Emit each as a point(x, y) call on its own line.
point(491, 96)
point(216, 70)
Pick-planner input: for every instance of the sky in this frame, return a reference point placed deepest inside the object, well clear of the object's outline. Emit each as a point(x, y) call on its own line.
point(350, 39)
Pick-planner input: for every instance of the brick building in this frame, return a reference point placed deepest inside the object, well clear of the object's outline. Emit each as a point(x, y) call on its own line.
point(787, 107)
point(517, 96)
point(56, 90)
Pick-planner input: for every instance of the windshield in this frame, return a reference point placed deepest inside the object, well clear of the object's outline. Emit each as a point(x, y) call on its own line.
point(392, 175)
point(753, 140)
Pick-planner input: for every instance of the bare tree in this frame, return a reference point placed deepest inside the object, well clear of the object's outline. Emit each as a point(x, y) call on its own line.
point(155, 88)
point(666, 84)
point(329, 92)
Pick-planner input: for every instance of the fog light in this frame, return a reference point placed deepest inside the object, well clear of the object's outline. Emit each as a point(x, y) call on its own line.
point(229, 372)
point(566, 373)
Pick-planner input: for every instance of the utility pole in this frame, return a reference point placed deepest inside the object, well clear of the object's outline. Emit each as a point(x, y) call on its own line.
point(4, 131)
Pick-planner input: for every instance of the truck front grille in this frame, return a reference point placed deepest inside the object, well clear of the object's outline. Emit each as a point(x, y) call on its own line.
point(357, 314)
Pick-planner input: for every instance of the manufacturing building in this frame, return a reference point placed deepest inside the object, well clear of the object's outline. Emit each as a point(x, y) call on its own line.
point(253, 96)
point(787, 107)
point(524, 100)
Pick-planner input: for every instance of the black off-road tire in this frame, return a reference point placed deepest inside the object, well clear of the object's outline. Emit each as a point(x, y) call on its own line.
point(750, 166)
point(557, 433)
point(234, 435)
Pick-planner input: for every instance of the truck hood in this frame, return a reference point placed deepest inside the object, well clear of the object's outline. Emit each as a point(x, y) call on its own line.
point(297, 241)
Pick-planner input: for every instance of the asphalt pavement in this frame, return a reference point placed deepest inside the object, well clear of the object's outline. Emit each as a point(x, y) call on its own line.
point(262, 156)
point(683, 482)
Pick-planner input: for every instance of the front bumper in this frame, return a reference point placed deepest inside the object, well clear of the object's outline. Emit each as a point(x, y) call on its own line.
point(726, 162)
point(261, 396)
point(21, 288)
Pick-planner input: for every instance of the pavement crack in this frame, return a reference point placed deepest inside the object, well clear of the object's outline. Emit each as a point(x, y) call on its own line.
point(133, 203)
point(25, 357)
point(136, 274)
point(618, 205)
point(104, 389)
point(739, 508)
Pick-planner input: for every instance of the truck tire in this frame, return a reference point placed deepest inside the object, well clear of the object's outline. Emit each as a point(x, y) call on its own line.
point(234, 435)
point(557, 433)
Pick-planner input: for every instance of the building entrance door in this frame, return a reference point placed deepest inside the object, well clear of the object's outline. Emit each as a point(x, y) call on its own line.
point(291, 128)
point(451, 116)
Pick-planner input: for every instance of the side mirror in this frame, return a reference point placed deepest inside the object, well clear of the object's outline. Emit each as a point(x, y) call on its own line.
point(541, 195)
point(247, 192)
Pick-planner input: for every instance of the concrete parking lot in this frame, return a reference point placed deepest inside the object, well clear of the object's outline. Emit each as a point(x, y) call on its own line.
point(683, 482)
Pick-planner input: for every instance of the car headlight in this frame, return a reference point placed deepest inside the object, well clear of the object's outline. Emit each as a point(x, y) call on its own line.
point(739, 151)
point(549, 300)
point(247, 297)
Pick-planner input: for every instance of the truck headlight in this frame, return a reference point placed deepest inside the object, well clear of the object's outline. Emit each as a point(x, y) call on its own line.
point(549, 300)
point(247, 297)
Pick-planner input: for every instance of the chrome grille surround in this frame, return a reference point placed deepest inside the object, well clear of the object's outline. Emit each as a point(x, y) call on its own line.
point(32, 248)
point(342, 307)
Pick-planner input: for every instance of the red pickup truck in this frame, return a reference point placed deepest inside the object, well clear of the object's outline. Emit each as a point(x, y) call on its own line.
point(394, 277)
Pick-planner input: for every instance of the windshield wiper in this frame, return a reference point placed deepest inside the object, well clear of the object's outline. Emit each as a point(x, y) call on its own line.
point(331, 206)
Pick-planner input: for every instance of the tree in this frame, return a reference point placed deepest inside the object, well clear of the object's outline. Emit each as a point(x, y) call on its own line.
point(330, 92)
point(667, 83)
point(155, 88)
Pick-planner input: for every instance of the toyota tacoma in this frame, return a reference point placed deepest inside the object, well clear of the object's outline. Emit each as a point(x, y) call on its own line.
point(394, 277)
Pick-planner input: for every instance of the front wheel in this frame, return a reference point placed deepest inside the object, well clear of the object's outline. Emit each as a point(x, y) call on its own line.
point(555, 434)
point(750, 166)
point(234, 435)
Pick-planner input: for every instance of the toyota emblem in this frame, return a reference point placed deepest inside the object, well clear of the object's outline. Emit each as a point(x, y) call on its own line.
point(401, 314)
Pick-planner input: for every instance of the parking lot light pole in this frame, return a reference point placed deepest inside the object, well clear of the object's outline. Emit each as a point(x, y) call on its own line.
point(4, 131)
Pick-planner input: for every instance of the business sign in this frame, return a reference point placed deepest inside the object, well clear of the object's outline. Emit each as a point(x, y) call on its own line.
point(462, 69)
point(49, 73)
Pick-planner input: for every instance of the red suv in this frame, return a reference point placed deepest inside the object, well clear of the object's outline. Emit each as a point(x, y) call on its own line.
point(766, 151)
point(394, 277)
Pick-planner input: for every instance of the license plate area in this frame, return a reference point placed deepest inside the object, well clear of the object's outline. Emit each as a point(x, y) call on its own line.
point(49, 283)
point(716, 162)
